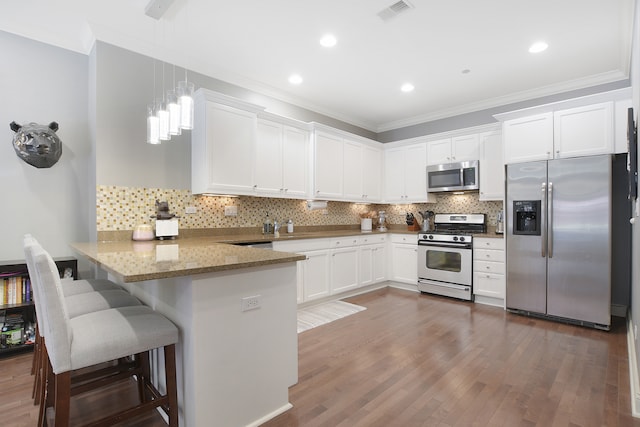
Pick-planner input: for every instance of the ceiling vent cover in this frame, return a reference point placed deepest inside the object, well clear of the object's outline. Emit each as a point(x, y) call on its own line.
point(394, 10)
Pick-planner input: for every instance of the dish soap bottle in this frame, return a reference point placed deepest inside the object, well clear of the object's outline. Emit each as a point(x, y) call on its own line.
point(290, 226)
point(267, 225)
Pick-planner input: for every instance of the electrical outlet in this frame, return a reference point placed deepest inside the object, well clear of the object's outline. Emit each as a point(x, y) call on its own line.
point(190, 210)
point(230, 211)
point(250, 303)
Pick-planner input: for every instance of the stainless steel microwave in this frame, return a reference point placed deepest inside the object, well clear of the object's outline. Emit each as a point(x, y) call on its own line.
point(460, 176)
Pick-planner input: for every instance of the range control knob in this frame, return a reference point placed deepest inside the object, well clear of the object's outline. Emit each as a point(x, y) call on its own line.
point(462, 238)
point(455, 238)
point(430, 236)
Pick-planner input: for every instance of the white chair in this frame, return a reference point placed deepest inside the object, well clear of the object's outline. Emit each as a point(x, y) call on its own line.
point(96, 338)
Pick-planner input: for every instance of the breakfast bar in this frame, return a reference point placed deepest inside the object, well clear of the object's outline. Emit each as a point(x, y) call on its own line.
point(235, 308)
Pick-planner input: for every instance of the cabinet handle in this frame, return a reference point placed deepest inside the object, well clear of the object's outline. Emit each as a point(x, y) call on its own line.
point(286, 189)
point(255, 186)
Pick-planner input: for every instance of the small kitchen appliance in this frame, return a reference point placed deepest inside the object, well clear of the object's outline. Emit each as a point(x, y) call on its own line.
point(445, 255)
point(381, 221)
point(166, 222)
point(500, 223)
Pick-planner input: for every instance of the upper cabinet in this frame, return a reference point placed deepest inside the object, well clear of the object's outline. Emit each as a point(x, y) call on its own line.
point(455, 149)
point(405, 171)
point(574, 132)
point(346, 169)
point(491, 166)
point(282, 154)
point(222, 148)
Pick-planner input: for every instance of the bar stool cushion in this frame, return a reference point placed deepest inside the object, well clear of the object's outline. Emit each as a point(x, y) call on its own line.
point(90, 302)
point(73, 287)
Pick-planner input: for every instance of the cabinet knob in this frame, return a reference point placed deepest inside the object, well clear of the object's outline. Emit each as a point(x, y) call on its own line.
point(286, 189)
point(255, 186)
point(488, 256)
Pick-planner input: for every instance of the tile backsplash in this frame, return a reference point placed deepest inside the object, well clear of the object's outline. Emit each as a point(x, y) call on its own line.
point(122, 208)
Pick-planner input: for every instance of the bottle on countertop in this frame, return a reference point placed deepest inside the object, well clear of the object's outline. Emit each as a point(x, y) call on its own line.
point(290, 226)
point(267, 225)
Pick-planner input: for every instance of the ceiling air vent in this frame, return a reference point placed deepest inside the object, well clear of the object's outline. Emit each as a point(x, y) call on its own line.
point(394, 10)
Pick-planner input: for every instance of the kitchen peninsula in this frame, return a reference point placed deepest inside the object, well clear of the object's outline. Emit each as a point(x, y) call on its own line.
point(236, 360)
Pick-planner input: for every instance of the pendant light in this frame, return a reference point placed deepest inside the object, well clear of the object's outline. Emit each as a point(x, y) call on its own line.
point(153, 123)
point(174, 108)
point(163, 114)
point(185, 99)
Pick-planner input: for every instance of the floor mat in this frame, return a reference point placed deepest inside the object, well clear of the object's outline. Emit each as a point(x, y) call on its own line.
point(322, 314)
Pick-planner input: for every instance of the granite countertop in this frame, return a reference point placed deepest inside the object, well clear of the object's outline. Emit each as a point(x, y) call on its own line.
point(134, 261)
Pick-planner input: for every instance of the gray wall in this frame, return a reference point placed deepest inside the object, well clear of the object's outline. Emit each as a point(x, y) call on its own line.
point(43, 84)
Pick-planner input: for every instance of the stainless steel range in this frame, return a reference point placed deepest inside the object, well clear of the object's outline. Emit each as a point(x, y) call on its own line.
point(445, 255)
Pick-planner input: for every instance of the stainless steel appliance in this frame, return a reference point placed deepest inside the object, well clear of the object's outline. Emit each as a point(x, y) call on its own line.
point(445, 255)
point(559, 239)
point(458, 176)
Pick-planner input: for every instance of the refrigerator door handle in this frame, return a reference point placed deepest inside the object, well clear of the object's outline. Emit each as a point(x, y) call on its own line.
point(550, 219)
point(543, 249)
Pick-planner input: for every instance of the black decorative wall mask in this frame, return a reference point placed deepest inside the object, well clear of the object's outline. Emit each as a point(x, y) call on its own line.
point(37, 144)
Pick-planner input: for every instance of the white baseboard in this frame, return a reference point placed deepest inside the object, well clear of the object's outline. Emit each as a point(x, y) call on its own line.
point(496, 302)
point(270, 416)
point(634, 381)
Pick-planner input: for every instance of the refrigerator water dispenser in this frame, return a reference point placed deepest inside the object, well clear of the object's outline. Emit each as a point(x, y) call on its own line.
point(526, 217)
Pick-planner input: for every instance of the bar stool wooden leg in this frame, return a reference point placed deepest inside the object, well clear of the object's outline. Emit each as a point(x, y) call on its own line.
point(172, 387)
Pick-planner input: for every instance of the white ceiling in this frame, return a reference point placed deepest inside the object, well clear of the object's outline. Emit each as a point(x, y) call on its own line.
point(258, 44)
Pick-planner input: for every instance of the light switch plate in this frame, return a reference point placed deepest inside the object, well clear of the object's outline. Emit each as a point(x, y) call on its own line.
point(230, 211)
point(190, 209)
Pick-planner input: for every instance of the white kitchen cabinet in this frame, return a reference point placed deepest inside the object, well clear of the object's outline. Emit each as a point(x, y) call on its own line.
point(528, 139)
point(491, 167)
point(406, 174)
point(404, 258)
point(315, 274)
point(456, 149)
point(372, 259)
point(281, 160)
point(344, 268)
point(371, 174)
point(583, 131)
point(328, 166)
point(489, 283)
point(574, 132)
point(222, 149)
point(352, 170)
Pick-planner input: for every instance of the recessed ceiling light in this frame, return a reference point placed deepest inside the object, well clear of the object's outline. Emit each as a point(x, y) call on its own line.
point(328, 40)
point(538, 47)
point(465, 71)
point(295, 79)
point(407, 87)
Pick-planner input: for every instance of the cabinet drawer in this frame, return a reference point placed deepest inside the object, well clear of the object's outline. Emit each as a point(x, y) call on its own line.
point(490, 285)
point(302, 245)
point(344, 242)
point(485, 243)
point(488, 267)
point(405, 238)
point(372, 239)
point(488, 255)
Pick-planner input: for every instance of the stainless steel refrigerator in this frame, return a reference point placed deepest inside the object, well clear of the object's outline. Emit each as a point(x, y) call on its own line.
point(558, 239)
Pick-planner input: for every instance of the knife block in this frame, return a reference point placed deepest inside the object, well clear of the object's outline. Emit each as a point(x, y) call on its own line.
point(414, 227)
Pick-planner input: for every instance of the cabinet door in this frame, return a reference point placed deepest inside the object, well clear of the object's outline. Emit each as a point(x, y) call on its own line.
point(489, 285)
point(329, 163)
point(316, 274)
point(230, 140)
point(528, 138)
point(372, 174)
point(583, 131)
point(380, 263)
point(394, 175)
point(491, 167)
point(416, 172)
point(344, 269)
point(295, 151)
point(268, 173)
point(352, 171)
point(466, 147)
point(439, 151)
point(404, 263)
point(366, 265)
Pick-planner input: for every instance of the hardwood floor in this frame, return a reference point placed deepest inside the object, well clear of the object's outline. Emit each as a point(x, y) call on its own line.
point(415, 360)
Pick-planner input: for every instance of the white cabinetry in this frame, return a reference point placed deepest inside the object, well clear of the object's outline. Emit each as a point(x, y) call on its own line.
point(346, 169)
point(315, 275)
point(222, 149)
point(491, 167)
point(404, 258)
point(344, 265)
point(489, 284)
point(281, 160)
point(455, 149)
point(372, 259)
point(574, 132)
point(406, 174)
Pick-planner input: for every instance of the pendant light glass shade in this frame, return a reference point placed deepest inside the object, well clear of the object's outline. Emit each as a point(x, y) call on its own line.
point(185, 99)
point(174, 113)
point(163, 118)
point(153, 126)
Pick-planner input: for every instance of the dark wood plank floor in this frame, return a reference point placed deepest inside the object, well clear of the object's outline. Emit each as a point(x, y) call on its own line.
point(412, 360)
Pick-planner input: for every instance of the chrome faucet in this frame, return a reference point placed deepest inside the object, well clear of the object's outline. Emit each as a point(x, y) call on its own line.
point(276, 226)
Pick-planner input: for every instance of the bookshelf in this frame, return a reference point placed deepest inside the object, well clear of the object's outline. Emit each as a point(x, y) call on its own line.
point(17, 311)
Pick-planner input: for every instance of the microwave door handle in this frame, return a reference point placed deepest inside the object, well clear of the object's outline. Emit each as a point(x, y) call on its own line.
point(544, 218)
point(550, 216)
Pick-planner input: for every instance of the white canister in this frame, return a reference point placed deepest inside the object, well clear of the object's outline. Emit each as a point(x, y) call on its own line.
point(290, 226)
point(365, 224)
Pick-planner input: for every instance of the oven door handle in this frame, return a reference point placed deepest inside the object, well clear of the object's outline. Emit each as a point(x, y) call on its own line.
point(445, 245)
point(444, 285)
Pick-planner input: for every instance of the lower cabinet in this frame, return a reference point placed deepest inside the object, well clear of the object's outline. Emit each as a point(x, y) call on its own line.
point(344, 269)
point(404, 258)
point(489, 283)
point(315, 275)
